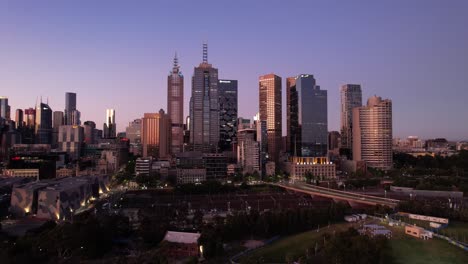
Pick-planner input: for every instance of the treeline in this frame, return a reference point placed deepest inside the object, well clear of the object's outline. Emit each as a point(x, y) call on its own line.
point(351, 248)
point(264, 225)
point(438, 165)
point(436, 208)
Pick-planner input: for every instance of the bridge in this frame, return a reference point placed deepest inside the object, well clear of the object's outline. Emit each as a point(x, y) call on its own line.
point(338, 195)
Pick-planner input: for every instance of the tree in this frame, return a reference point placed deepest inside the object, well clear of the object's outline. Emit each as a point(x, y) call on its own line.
point(308, 176)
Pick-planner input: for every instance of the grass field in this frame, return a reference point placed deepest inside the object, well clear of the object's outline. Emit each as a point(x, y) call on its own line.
point(402, 248)
point(407, 249)
point(295, 245)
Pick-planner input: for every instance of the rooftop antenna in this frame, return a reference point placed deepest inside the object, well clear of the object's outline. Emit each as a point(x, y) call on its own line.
point(205, 52)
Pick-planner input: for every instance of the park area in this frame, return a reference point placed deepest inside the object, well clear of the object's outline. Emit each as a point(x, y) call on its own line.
point(401, 248)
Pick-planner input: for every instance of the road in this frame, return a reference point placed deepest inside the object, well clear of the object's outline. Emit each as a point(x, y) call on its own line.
point(337, 194)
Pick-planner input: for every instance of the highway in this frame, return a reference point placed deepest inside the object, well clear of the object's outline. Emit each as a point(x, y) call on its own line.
point(337, 194)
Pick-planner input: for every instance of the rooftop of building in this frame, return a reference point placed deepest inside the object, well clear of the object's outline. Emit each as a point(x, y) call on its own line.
point(181, 237)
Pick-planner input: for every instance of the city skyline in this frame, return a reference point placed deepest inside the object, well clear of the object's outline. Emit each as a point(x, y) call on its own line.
point(117, 76)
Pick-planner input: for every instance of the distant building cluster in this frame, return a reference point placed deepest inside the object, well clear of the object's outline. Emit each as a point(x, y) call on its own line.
point(213, 142)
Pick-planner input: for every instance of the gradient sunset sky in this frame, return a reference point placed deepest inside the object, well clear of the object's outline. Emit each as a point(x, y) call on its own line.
point(117, 54)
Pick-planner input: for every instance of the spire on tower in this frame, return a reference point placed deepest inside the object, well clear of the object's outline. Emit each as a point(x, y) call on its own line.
point(176, 61)
point(205, 52)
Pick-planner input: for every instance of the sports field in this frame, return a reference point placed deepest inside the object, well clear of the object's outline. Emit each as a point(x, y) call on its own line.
point(402, 248)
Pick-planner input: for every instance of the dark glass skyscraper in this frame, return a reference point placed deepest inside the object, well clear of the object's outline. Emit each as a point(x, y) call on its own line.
point(43, 127)
point(351, 97)
point(227, 114)
point(70, 106)
point(308, 117)
point(204, 107)
point(175, 106)
point(4, 108)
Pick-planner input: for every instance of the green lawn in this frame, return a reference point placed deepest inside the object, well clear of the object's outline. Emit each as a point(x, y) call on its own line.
point(407, 249)
point(402, 248)
point(457, 230)
point(295, 245)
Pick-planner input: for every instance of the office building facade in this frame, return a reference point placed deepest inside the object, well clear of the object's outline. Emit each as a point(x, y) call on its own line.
point(4, 108)
point(110, 127)
point(351, 97)
point(372, 133)
point(175, 106)
point(204, 107)
point(43, 124)
point(307, 117)
point(270, 112)
point(156, 135)
point(228, 106)
point(70, 140)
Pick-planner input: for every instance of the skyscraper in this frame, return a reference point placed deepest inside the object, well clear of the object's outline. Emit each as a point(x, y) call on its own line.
point(19, 118)
point(204, 107)
point(248, 151)
point(70, 117)
point(291, 114)
point(372, 133)
point(4, 108)
point(43, 129)
point(175, 106)
point(30, 117)
point(351, 97)
point(133, 131)
point(307, 117)
point(89, 130)
point(156, 134)
point(227, 90)
point(270, 112)
point(57, 121)
point(110, 127)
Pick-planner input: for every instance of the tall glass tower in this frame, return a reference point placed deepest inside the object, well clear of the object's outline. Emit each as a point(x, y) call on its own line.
point(307, 117)
point(227, 114)
point(204, 107)
point(175, 106)
point(270, 113)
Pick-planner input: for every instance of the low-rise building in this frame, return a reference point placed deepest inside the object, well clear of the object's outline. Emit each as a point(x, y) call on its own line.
point(182, 244)
point(418, 232)
point(297, 167)
point(187, 175)
point(25, 173)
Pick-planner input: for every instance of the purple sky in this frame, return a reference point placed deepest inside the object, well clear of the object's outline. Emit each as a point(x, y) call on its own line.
point(117, 54)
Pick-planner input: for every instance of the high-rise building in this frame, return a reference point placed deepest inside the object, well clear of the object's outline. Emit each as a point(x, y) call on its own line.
point(291, 113)
point(262, 138)
point(175, 106)
point(372, 133)
point(204, 107)
point(57, 121)
point(70, 106)
point(133, 131)
point(351, 97)
point(71, 139)
point(156, 134)
point(30, 117)
point(307, 117)
point(89, 130)
point(270, 112)
point(43, 129)
point(19, 118)
point(4, 108)
point(227, 90)
point(248, 151)
point(110, 127)
point(75, 117)
point(334, 139)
